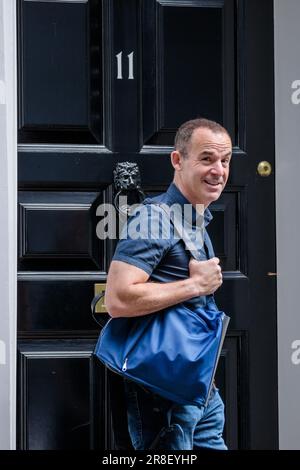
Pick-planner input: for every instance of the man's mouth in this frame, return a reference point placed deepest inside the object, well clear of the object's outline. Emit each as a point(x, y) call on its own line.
point(213, 183)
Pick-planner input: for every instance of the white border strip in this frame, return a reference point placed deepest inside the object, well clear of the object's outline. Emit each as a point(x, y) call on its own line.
point(9, 89)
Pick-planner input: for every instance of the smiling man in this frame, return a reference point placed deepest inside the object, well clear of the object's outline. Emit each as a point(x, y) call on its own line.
point(201, 160)
point(150, 274)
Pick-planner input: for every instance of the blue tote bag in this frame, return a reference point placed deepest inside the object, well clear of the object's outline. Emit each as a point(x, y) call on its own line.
point(174, 352)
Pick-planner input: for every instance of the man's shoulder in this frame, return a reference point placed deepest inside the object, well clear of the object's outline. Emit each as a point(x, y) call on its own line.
point(152, 220)
point(151, 206)
point(156, 200)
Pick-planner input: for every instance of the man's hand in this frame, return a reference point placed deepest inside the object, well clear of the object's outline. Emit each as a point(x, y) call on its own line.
point(207, 275)
point(129, 292)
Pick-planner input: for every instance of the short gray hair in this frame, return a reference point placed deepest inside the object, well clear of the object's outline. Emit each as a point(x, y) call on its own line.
point(185, 132)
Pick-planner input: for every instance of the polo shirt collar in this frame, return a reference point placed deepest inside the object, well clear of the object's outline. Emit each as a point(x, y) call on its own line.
point(175, 196)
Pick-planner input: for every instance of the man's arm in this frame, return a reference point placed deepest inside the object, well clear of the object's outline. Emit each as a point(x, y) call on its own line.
point(129, 294)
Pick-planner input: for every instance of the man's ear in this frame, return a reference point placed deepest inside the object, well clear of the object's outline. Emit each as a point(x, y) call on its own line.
point(176, 160)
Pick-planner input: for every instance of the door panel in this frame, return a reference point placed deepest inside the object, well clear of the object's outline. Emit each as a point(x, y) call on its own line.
point(226, 216)
point(188, 65)
point(60, 78)
point(56, 410)
point(102, 82)
point(54, 303)
point(58, 231)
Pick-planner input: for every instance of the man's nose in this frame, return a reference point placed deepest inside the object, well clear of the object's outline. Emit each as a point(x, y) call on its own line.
point(217, 169)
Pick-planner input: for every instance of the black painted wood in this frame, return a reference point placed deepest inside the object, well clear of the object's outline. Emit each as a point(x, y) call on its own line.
point(122, 30)
point(259, 93)
point(61, 394)
point(56, 231)
point(182, 66)
point(228, 382)
point(60, 72)
point(77, 119)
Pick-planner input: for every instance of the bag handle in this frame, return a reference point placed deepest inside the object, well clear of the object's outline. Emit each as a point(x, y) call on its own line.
point(183, 235)
point(93, 307)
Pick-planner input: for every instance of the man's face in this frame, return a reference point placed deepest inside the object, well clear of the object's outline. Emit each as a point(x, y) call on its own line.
point(202, 174)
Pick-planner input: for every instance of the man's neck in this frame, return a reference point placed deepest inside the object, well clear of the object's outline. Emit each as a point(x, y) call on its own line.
point(185, 193)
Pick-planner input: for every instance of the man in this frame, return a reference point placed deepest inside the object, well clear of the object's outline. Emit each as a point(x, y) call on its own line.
point(148, 275)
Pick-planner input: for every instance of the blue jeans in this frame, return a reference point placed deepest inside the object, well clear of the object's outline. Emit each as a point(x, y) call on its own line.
point(157, 423)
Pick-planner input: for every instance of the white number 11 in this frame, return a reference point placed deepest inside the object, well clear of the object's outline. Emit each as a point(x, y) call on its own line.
point(130, 66)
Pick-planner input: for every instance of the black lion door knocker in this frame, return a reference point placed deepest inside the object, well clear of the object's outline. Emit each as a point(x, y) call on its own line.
point(127, 181)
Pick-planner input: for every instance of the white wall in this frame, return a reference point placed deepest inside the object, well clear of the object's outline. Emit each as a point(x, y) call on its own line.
point(287, 109)
point(8, 231)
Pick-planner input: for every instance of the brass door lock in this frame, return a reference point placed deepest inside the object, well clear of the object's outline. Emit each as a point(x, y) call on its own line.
point(100, 307)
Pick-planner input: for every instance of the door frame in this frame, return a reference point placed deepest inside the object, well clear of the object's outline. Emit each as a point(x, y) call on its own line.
point(8, 213)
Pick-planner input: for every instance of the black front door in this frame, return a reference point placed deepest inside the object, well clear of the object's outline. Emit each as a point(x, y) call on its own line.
point(107, 81)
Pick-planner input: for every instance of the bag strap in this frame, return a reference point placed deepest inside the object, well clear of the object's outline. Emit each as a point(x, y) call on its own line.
point(183, 235)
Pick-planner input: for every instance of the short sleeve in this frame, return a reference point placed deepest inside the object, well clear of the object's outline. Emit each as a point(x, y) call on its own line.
point(145, 238)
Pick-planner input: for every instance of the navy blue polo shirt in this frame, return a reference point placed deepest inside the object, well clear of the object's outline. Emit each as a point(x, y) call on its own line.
point(163, 257)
